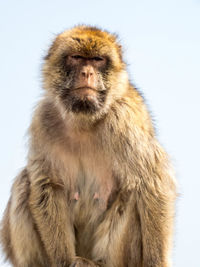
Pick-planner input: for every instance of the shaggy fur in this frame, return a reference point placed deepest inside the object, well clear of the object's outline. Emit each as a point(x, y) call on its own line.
point(98, 189)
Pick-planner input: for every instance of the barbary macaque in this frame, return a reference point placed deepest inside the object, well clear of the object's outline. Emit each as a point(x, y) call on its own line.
point(98, 189)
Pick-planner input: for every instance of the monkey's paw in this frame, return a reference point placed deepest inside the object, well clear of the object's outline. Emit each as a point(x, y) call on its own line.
point(82, 262)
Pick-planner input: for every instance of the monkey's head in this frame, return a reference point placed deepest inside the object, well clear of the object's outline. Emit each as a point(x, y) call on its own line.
point(84, 70)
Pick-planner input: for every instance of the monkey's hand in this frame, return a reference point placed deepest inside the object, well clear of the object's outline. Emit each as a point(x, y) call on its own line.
point(82, 262)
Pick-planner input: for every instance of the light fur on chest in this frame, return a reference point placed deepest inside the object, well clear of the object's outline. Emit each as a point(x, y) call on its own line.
point(87, 176)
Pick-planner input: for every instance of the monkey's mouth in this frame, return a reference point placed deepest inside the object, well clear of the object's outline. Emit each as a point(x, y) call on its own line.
point(85, 91)
point(86, 100)
point(83, 100)
point(84, 88)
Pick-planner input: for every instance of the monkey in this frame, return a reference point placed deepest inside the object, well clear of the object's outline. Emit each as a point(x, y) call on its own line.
point(98, 189)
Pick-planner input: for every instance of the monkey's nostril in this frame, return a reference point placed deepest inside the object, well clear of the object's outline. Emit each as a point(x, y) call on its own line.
point(86, 74)
point(83, 74)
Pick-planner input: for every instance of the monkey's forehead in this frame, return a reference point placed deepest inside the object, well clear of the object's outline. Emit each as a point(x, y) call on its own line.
point(88, 41)
point(84, 32)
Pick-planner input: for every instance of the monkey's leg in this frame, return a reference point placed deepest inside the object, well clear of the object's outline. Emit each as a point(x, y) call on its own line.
point(118, 237)
point(48, 205)
point(156, 216)
point(20, 240)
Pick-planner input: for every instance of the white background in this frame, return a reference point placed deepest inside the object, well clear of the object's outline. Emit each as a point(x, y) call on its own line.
point(161, 42)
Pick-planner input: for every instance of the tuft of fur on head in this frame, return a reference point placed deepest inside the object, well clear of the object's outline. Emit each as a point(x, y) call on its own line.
point(90, 42)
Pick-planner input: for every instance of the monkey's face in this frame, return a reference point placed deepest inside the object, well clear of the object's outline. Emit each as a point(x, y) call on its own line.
point(85, 90)
point(82, 69)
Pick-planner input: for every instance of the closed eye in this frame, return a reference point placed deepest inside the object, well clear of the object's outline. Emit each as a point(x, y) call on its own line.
point(77, 57)
point(98, 58)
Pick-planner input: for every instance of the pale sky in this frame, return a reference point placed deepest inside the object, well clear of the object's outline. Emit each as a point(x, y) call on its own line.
point(161, 42)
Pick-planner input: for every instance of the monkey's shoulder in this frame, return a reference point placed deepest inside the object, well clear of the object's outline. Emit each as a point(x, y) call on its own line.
point(47, 121)
point(130, 113)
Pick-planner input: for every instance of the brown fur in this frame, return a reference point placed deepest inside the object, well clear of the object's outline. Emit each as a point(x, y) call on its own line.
point(98, 188)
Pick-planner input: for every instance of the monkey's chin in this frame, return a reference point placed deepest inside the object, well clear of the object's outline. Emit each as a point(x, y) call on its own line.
point(88, 105)
point(85, 100)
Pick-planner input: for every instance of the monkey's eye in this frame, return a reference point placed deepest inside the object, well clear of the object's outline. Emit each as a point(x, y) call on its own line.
point(77, 57)
point(98, 58)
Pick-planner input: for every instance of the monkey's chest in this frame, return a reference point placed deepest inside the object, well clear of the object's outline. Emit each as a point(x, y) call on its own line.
point(90, 197)
point(91, 194)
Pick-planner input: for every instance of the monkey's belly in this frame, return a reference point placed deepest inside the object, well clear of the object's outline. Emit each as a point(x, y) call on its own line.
point(88, 206)
point(91, 194)
point(87, 211)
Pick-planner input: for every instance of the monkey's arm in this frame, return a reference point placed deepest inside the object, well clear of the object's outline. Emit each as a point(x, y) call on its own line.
point(51, 215)
point(155, 203)
point(156, 228)
point(150, 177)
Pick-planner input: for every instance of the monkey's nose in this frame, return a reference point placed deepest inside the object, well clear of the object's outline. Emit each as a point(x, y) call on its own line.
point(87, 71)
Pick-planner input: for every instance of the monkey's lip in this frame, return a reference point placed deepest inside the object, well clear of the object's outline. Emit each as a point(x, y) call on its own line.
point(85, 92)
point(84, 88)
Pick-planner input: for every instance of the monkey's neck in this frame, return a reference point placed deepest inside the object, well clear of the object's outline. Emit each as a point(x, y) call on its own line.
point(82, 122)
